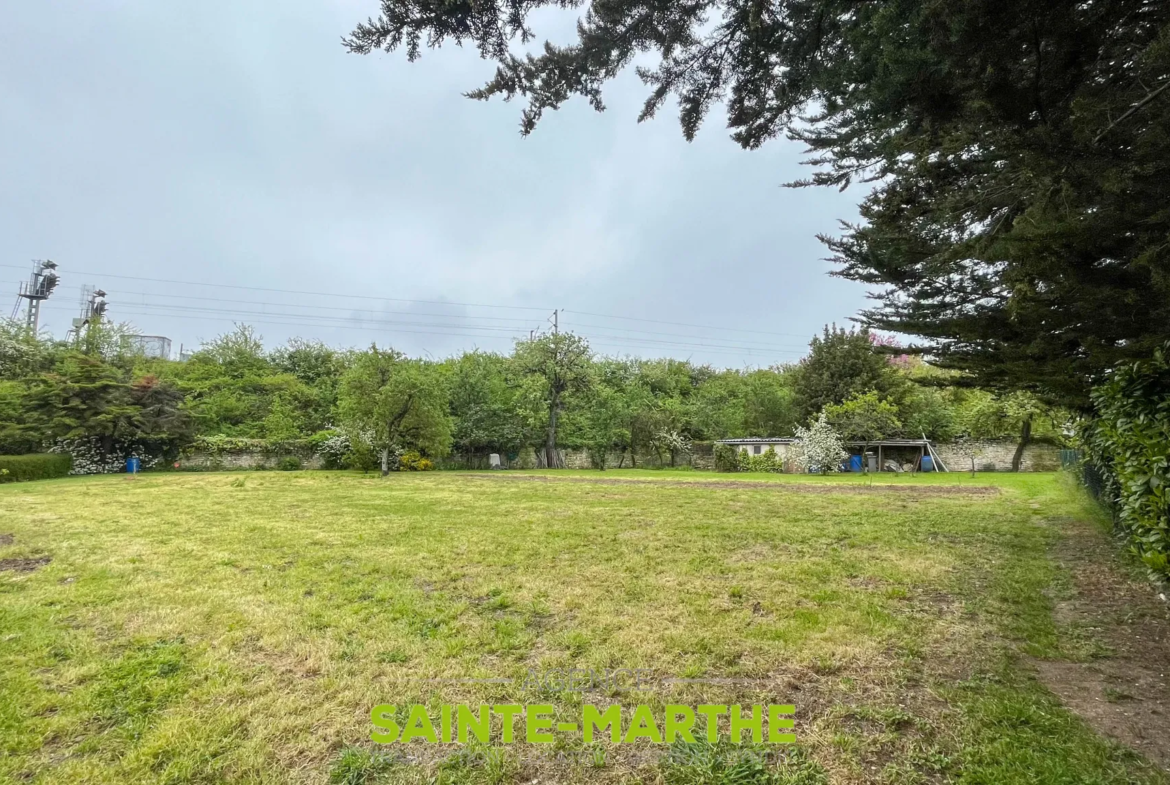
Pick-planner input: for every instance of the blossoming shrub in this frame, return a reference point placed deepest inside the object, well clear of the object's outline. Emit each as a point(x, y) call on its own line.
point(333, 447)
point(91, 457)
point(819, 448)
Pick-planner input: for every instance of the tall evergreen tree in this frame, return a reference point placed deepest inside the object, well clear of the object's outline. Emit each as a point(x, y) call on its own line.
point(1021, 151)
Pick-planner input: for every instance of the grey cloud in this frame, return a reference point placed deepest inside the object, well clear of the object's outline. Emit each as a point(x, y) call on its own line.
point(238, 143)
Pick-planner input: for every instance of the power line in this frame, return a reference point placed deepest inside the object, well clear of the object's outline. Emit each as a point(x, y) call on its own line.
point(681, 324)
point(782, 348)
point(426, 302)
point(802, 347)
point(624, 333)
point(625, 336)
point(444, 330)
point(293, 291)
point(361, 321)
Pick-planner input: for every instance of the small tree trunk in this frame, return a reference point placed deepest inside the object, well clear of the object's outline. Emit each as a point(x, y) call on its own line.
point(1025, 439)
point(551, 458)
point(385, 461)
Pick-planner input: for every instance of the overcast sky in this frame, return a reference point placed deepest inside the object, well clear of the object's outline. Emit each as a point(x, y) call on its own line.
point(237, 143)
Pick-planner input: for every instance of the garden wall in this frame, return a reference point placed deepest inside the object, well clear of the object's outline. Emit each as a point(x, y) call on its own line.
point(204, 461)
point(993, 456)
point(996, 456)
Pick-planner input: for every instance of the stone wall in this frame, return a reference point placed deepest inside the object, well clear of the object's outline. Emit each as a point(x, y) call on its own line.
point(996, 456)
point(202, 461)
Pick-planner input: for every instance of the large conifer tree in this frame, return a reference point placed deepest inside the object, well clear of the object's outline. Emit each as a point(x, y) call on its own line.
point(1020, 218)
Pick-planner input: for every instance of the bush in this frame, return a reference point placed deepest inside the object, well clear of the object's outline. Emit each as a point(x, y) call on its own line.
point(289, 463)
point(411, 461)
point(333, 447)
point(726, 458)
point(43, 466)
point(769, 461)
point(1126, 443)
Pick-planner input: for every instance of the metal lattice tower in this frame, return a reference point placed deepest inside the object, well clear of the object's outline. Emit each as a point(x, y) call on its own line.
point(37, 289)
point(93, 308)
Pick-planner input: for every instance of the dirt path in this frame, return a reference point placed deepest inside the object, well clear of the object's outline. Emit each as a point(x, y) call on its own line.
point(1116, 616)
point(785, 487)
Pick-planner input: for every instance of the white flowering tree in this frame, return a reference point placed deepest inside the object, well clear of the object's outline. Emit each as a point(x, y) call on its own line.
point(819, 447)
point(671, 442)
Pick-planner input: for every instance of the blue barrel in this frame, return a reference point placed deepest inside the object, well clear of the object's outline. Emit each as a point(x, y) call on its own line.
point(133, 465)
point(855, 463)
point(927, 463)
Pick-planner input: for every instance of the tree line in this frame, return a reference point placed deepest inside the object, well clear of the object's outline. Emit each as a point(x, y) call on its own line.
point(98, 399)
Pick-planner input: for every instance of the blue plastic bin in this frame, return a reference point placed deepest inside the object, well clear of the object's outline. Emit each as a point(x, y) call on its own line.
point(133, 465)
point(855, 463)
point(927, 463)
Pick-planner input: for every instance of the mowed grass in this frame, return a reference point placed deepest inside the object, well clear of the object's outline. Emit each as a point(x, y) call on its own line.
point(239, 627)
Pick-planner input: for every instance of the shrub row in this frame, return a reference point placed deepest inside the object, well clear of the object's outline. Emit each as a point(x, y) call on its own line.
point(43, 466)
point(1127, 443)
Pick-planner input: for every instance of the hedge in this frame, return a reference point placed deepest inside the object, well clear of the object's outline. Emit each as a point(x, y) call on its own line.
point(1127, 442)
point(43, 466)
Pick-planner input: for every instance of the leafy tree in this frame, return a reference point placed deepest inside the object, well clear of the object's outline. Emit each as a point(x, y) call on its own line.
point(769, 404)
point(283, 421)
point(605, 423)
point(484, 409)
point(312, 362)
point(1019, 150)
point(864, 418)
point(401, 403)
point(716, 409)
point(930, 412)
point(22, 354)
point(239, 353)
point(318, 369)
point(556, 365)
point(840, 364)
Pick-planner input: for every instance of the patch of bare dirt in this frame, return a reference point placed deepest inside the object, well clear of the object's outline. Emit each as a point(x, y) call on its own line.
point(5, 539)
point(1123, 690)
point(24, 565)
point(801, 487)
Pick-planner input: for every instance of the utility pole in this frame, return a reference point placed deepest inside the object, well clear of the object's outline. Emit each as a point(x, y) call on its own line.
point(555, 321)
point(39, 286)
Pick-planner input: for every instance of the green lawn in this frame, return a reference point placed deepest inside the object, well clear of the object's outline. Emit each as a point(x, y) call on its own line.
point(240, 626)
